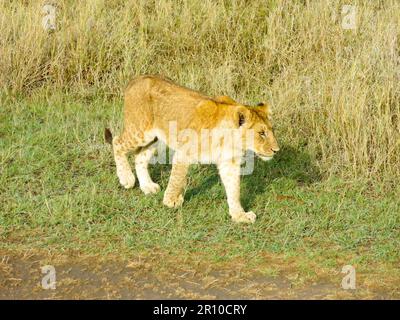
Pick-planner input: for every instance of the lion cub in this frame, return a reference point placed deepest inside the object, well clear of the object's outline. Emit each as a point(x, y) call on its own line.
point(198, 129)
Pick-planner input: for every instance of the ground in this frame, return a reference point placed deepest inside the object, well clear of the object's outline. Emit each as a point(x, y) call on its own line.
point(61, 205)
point(79, 277)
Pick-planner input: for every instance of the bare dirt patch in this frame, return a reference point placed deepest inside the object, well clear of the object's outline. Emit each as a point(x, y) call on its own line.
point(80, 277)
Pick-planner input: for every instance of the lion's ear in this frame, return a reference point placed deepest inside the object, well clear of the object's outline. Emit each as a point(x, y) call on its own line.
point(265, 108)
point(241, 116)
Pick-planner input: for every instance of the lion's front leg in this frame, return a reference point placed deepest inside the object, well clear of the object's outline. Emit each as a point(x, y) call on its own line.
point(173, 196)
point(230, 176)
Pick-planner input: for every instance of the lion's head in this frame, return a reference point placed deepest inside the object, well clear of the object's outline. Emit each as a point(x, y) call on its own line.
point(255, 122)
point(252, 123)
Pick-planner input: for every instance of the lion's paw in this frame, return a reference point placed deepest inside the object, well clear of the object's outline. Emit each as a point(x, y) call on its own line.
point(126, 179)
point(150, 188)
point(243, 217)
point(173, 201)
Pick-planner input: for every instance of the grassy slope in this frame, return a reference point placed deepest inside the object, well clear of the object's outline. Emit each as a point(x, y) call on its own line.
point(336, 89)
point(59, 191)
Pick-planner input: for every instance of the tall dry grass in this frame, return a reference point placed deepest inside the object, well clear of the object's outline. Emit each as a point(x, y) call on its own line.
point(335, 92)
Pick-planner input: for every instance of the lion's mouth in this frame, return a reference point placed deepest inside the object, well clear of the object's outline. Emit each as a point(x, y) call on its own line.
point(265, 157)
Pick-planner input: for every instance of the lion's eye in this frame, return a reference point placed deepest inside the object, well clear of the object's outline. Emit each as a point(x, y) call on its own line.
point(262, 134)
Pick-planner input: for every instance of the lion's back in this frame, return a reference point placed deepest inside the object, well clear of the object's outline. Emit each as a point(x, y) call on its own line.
point(161, 100)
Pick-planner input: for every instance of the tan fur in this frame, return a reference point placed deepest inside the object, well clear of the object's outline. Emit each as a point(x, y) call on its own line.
point(153, 103)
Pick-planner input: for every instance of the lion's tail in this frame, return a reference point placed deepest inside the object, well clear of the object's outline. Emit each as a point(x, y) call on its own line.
point(108, 136)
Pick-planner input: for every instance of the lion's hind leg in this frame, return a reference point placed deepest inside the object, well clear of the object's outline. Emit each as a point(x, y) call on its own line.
point(122, 145)
point(142, 159)
point(128, 141)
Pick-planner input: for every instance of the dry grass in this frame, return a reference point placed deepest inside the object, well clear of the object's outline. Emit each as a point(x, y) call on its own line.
point(335, 92)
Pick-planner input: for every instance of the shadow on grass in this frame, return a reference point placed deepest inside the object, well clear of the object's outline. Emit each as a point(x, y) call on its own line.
point(289, 163)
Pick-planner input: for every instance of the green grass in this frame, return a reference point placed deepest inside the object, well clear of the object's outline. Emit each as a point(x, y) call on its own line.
point(59, 191)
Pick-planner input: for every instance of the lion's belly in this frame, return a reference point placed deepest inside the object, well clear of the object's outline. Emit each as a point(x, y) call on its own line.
point(193, 147)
